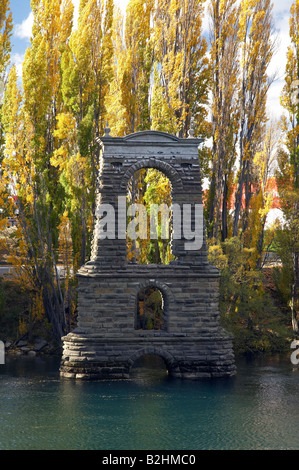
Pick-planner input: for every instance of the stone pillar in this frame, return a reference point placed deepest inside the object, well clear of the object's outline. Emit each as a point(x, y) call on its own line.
point(105, 344)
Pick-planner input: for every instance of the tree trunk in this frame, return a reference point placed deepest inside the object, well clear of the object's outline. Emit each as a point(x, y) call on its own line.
point(238, 199)
point(294, 292)
point(224, 231)
point(212, 206)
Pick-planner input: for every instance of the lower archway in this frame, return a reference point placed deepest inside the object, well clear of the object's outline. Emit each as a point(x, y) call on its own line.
point(149, 368)
point(152, 360)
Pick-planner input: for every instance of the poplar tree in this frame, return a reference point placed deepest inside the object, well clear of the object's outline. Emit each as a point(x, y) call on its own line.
point(225, 111)
point(6, 26)
point(257, 48)
point(288, 171)
point(182, 67)
point(30, 120)
point(263, 173)
point(115, 104)
point(87, 73)
point(137, 66)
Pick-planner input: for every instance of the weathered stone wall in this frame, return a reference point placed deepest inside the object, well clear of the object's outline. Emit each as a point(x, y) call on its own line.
point(106, 343)
point(121, 158)
point(95, 358)
point(107, 303)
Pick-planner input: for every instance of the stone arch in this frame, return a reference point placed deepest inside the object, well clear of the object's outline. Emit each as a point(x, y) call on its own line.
point(177, 189)
point(166, 295)
point(159, 285)
point(166, 168)
point(165, 290)
point(160, 136)
point(169, 360)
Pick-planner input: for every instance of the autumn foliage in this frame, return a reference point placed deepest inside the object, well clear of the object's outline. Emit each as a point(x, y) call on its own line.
point(156, 68)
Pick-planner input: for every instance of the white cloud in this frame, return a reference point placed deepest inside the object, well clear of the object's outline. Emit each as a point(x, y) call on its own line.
point(281, 11)
point(76, 11)
point(17, 60)
point(273, 216)
point(122, 4)
point(275, 110)
point(282, 8)
point(24, 30)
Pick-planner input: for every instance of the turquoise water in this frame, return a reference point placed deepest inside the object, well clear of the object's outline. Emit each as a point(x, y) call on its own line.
point(257, 409)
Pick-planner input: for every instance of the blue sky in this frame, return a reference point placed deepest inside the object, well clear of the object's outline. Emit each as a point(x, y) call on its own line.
point(22, 17)
point(20, 10)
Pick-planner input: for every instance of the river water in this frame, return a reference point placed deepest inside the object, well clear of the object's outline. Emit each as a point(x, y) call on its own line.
point(257, 409)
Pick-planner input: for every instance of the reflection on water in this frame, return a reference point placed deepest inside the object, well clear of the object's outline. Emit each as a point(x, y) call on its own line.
point(257, 409)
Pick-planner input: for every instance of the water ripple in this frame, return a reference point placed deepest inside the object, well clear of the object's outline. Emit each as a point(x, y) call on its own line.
point(255, 410)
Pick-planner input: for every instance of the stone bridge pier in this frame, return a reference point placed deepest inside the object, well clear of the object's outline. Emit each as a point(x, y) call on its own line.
point(108, 339)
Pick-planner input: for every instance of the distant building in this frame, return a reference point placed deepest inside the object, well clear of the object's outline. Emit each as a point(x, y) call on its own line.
point(274, 213)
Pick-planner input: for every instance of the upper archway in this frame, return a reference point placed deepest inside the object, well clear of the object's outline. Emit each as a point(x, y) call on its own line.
point(121, 158)
point(164, 167)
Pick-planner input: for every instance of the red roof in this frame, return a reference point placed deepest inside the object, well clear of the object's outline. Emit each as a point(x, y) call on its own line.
point(271, 187)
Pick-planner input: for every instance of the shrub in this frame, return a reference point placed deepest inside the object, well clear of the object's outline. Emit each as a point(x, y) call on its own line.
point(246, 309)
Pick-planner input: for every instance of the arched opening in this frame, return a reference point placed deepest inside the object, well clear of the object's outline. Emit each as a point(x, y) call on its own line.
point(152, 358)
point(149, 224)
point(149, 368)
point(150, 309)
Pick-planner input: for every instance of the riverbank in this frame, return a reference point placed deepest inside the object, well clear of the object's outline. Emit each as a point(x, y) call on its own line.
point(38, 347)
